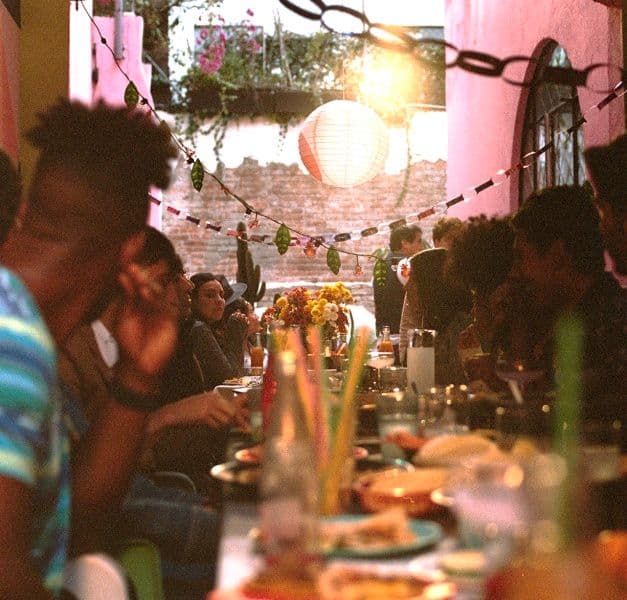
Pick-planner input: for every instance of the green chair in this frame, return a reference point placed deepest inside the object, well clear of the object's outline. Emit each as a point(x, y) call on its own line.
point(142, 564)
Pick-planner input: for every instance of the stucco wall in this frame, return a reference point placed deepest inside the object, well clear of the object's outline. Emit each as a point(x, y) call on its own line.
point(485, 114)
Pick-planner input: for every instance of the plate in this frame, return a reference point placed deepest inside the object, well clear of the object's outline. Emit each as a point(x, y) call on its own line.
point(238, 473)
point(427, 534)
point(254, 454)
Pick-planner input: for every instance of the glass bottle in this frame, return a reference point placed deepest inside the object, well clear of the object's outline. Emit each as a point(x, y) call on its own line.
point(257, 356)
point(288, 488)
point(385, 343)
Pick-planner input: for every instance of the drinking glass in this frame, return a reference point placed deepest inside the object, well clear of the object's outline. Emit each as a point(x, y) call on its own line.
point(380, 360)
point(519, 372)
point(396, 411)
point(600, 457)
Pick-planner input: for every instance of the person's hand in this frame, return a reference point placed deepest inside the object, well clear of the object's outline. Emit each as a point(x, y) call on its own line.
point(241, 418)
point(145, 329)
point(209, 408)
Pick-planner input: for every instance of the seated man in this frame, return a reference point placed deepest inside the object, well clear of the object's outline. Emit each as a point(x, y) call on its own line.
point(181, 524)
point(559, 254)
point(95, 168)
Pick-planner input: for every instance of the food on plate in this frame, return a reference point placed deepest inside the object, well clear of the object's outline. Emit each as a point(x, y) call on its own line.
point(463, 562)
point(406, 440)
point(254, 454)
point(452, 449)
point(524, 448)
point(339, 582)
point(389, 528)
point(410, 490)
point(271, 585)
point(243, 381)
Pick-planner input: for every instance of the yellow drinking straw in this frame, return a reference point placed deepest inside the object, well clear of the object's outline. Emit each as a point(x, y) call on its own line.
point(342, 441)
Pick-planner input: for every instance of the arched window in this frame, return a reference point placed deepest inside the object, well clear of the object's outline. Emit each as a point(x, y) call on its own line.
point(551, 111)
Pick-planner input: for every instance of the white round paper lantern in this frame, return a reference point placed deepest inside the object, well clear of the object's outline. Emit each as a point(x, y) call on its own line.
point(343, 143)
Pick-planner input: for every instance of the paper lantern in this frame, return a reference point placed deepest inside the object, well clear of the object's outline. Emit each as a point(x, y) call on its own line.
point(343, 143)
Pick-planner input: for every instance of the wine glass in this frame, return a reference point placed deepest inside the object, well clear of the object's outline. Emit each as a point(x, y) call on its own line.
point(517, 418)
point(518, 372)
point(380, 360)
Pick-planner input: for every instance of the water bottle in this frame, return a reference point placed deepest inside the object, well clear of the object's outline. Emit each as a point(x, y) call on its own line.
point(288, 487)
point(421, 360)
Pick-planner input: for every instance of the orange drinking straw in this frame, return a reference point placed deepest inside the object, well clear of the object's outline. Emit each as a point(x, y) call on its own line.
point(305, 389)
point(322, 435)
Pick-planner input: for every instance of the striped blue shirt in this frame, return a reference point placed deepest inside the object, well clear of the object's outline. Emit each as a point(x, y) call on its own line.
point(33, 440)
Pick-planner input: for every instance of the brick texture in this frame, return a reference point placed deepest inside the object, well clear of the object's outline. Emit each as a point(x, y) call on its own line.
point(287, 194)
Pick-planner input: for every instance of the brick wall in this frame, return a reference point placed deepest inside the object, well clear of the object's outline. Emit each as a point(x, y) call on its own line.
point(300, 201)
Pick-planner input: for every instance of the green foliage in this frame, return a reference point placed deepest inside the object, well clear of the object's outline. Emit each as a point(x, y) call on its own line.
point(282, 239)
point(197, 175)
point(333, 260)
point(379, 271)
point(247, 271)
point(131, 95)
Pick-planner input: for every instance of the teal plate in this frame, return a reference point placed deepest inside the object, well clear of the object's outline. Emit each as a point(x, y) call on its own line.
point(427, 534)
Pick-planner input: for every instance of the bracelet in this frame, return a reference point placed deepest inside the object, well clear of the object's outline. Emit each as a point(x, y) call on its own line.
point(134, 400)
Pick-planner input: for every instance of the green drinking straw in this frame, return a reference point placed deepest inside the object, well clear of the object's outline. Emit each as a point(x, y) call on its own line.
point(568, 368)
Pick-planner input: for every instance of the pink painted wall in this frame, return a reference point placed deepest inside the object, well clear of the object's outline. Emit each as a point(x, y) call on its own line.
point(9, 76)
point(485, 114)
point(112, 83)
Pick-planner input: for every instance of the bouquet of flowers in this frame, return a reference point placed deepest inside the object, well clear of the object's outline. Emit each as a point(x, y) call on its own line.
point(324, 308)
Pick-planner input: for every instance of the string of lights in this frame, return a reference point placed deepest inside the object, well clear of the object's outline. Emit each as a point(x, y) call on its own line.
point(288, 235)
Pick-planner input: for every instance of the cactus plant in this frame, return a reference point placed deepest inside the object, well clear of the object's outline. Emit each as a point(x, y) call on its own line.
point(247, 271)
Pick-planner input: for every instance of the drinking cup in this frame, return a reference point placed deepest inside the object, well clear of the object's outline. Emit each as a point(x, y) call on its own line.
point(396, 411)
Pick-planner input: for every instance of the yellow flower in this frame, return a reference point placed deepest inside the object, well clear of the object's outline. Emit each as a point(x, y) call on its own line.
point(281, 302)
